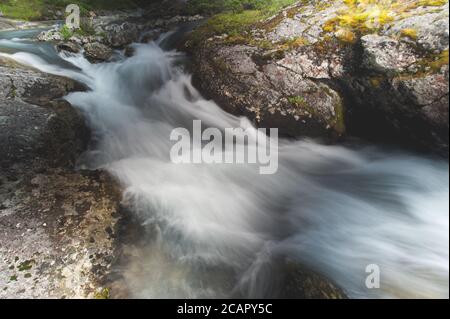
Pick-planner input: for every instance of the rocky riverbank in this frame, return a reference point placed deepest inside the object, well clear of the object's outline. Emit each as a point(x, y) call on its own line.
point(312, 69)
point(327, 70)
point(57, 224)
point(101, 35)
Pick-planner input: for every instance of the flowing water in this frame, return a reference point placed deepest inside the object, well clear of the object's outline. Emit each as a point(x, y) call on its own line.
point(217, 230)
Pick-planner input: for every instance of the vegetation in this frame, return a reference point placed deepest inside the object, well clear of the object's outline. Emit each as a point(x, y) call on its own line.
point(66, 33)
point(357, 17)
point(367, 16)
point(84, 30)
point(236, 6)
point(38, 9)
point(409, 33)
point(235, 17)
point(103, 294)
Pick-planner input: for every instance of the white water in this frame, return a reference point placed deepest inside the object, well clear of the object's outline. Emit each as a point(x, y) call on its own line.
point(216, 229)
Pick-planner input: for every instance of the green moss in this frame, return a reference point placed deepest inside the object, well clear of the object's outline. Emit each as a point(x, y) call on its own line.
point(432, 63)
point(298, 101)
point(236, 20)
point(232, 24)
point(236, 6)
point(105, 293)
point(13, 278)
point(339, 124)
point(26, 265)
point(439, 61)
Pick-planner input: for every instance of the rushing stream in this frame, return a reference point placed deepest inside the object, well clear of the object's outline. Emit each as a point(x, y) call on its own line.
point(217, 230)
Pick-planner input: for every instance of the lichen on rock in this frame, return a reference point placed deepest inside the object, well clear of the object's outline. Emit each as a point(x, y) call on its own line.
point(56, 223)
point(344, 64)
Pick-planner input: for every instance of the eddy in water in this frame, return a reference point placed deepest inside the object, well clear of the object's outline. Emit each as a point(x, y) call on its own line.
point(218, 230)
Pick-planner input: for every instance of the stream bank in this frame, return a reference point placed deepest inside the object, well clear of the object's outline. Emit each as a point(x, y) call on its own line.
point(57, 223)
point(377, 71)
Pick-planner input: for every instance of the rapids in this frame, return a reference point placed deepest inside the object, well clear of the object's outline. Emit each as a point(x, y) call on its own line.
point(215, 230)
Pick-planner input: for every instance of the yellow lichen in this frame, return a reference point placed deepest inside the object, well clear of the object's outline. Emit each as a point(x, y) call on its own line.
point(376, 82)
point(365, 16)
point(103, 294)
point(346, 36)
point(409, 33)
point(293, 43)
point(440, 61)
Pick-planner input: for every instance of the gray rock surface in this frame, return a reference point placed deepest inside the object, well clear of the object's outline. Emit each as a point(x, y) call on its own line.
point(315, 70)
point(271, 93)
point(385, 54)
point(71, 47)
point(57, 224)
point(5, 24)
point(97, 52)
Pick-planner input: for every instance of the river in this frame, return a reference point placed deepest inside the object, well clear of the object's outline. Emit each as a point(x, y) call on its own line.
point(217, 230)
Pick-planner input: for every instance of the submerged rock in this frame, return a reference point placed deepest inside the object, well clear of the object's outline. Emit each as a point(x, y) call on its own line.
point(301, 283)
point(332, 69)
point(286, 278)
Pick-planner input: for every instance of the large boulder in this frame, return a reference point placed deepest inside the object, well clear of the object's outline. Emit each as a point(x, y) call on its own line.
point(120, 35)
point(373, 70)
point(271, 93)
point(38, 127)
point(57, 224)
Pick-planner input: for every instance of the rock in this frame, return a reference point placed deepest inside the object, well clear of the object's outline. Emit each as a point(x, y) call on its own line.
point(384, 54)
point(97, 52)
point(300, 282)
point(271, 93)
point(54, 242)
point(53, 218)
point(71, 47)
point(5, 24)
point(42, 129)
point(53, 35)
point(120, 35)
point(321, 70)
point(294, 280)
point(129, 51)
point(431, 29)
